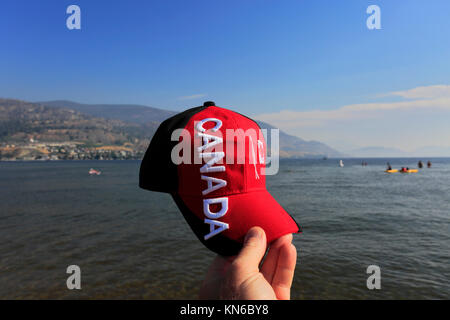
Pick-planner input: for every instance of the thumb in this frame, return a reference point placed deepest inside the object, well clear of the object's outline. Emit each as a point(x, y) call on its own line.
point(253, 250)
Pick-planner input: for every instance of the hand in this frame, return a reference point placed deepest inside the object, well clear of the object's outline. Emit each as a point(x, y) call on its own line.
point(241, 277)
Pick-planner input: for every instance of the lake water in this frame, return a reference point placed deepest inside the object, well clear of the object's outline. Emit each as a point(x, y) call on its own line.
point(134, 244)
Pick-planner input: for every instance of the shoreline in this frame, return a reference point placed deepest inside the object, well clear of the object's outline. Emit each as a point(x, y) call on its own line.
point(281, 159)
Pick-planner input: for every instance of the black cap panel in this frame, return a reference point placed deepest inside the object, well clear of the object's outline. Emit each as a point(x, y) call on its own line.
point(220, 244)
point(158, 172)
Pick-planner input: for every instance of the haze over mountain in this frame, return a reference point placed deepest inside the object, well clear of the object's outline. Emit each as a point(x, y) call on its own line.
point(374, 152)
point(382, 152)
point(291, 146)
point(432, 151)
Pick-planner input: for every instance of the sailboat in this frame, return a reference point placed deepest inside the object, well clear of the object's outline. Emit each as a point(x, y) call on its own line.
point(341, 163)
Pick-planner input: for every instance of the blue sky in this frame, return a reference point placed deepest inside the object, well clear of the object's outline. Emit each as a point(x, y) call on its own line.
point(261, 58)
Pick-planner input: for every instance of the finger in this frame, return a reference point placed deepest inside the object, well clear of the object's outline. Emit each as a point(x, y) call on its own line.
point(284, 273)
point(253, 250)
point(270, 262)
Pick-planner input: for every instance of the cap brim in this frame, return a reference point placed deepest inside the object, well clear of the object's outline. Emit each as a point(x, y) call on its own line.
point(245, 210)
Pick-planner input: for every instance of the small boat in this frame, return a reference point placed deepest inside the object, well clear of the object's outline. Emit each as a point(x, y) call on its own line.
point(93, 172)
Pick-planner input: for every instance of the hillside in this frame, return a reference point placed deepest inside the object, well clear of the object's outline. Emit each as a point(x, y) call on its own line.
point(21, 120)
point(69, 130)
point(36, 128)
point(290, 146)
point(125, 112)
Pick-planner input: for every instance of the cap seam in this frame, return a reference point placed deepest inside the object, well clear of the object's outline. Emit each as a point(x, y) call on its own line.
point(202, 108)
point(245, 150)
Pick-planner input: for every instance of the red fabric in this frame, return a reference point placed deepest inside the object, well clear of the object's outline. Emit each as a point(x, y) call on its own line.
point(247, 210)
point(249, 203)
point(239, 177)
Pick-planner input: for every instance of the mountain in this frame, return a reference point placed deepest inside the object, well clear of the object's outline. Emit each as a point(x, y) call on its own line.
point(124, 128)
point(125, 112)
point(290, 146)
point(20, 120)
point(294, 147)
point(31, 130)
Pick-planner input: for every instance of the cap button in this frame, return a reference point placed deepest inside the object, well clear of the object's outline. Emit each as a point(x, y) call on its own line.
point(209, 104)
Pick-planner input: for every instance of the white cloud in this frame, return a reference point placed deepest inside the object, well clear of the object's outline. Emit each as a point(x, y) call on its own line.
point(438, 98)
point(192, 97)
point(420, 120)
point(429, 92)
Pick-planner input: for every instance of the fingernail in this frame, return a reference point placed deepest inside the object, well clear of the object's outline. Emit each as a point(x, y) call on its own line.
point(253, 233)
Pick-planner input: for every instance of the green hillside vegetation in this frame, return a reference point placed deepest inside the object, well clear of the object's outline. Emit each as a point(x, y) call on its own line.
point(20, 121)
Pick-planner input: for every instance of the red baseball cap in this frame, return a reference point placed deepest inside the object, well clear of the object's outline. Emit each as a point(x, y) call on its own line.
point(220, 186)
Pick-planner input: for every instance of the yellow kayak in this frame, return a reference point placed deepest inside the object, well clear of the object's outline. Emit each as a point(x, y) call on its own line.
point(410, 171)
point(395, 171)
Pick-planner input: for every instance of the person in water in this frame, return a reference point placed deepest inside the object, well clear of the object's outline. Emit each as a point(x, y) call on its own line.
point(420, 165)
point(429, 164)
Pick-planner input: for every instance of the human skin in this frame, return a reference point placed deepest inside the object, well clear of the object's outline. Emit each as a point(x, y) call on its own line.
point(244, 277)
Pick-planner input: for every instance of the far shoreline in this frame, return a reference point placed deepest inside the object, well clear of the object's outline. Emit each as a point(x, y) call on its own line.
point(281, 159)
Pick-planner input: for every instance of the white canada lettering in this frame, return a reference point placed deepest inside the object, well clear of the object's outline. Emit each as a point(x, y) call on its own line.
point(213, 184)
point(219, 184)
point(221, 226)
point(200, 128)
point(216, 157)
point(215, 215)
point(209, 141)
